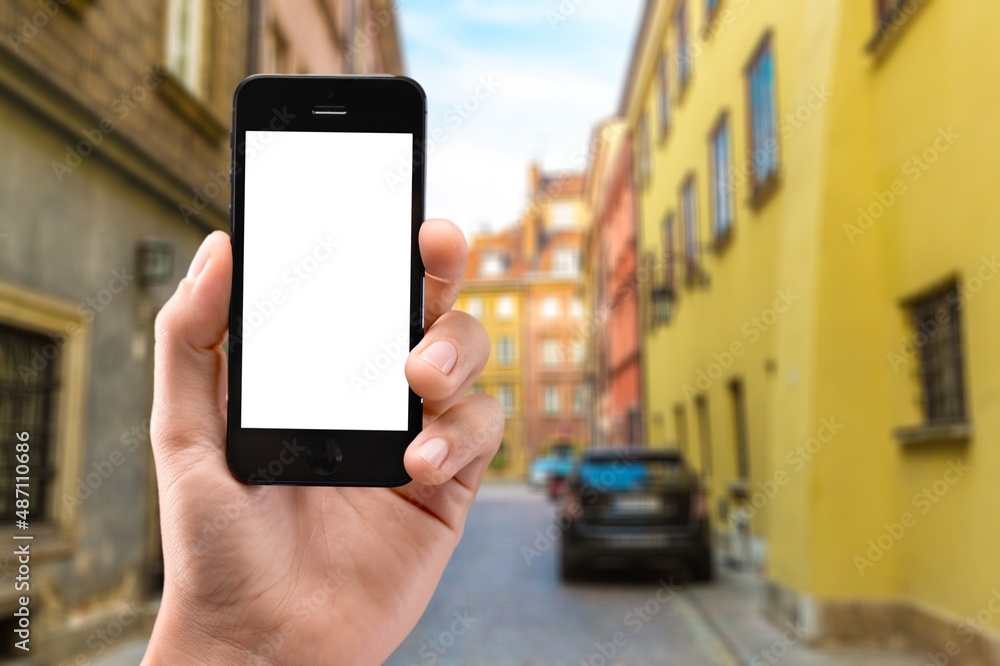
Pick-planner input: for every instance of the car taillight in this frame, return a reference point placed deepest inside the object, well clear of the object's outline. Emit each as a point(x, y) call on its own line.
point(698, 504)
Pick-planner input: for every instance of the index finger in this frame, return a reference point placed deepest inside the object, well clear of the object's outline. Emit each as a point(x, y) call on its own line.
point(445, 253)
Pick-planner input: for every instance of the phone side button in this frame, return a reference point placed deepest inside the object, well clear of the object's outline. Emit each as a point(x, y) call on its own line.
point(324, 456)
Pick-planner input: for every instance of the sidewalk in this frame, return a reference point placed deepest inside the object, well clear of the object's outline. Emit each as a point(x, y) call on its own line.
point(732, 607)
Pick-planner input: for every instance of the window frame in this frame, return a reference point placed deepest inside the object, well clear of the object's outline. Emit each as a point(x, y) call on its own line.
point(560, 255)
point(682, 38)
point(690, 228)
point(478, 310)
point(578, 400)
point(506, 389)
point(493, 263)
point(501, 304)
point(550, 353)
point(721, 183)
point(711, 9)
point(506, 342)
point(557, 308)
point(20, 308)
point(194, 77)
point(885, 27)
point(762, 185)
point(551, 390)
point(741, 434)
point(663, 112)
point(934, 392)
point(704, 420)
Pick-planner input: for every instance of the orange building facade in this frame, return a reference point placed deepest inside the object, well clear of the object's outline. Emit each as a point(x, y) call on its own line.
point(612, 325)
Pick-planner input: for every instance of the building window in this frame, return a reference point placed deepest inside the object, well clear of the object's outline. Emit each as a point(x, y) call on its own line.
point(550, 308)
point(738, 397)
point(722, 180)
point(576, 308)
point(670, 243)
point(942, 385)
point(505, 307)
point(680, 430)
point(644, 167)
point(505, 350)
point(683, 45)
point(493, 263)
point(711, 7)
point(689, 220)
point(505, 395)
point(566, 261)
point(576, 352)
point(28, 396)
point(563, 215)
point(763, 117)
point(474, 306)
point(186, 43)
point(550, 353)
point(579, 400)
point(704, 435)
point(663, 295)
point(44, 349)
point(663, 94)
point(550, 400)
point(890, 17)
point(476, 389)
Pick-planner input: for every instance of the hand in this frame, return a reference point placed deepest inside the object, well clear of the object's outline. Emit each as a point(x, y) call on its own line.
point(308, 575)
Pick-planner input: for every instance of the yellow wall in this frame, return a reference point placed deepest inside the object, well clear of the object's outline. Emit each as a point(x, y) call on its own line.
point(849, 121)
point(495, 374)
point(897, 105)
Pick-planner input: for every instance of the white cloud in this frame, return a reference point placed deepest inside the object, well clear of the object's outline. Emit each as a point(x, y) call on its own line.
point(554, 86)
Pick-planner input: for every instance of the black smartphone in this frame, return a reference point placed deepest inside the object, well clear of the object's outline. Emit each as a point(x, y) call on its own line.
point(327, 301)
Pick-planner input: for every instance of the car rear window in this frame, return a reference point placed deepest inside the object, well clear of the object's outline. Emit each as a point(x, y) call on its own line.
point(622, 475)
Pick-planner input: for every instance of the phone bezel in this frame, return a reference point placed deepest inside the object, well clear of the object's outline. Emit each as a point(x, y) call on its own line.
point(285, 103)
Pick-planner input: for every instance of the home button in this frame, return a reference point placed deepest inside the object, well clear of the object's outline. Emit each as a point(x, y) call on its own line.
point(324, 456)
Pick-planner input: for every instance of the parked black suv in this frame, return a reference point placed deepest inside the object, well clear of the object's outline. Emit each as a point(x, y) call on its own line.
point(626, 507)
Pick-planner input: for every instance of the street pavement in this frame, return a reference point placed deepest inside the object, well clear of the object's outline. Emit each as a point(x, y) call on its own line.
point(493, 607)
point(501, 603)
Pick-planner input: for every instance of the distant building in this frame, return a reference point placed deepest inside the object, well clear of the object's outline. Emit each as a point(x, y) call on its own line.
point(613, 280)
point(557, 398)
point(524, 284)
point(494, 294)
point(114, 156)
point(817, 180)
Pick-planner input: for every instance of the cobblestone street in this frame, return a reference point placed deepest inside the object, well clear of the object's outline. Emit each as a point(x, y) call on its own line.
point(492, 607)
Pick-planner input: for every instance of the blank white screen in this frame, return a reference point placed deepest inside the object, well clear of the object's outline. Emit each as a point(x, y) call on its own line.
point(326, 281)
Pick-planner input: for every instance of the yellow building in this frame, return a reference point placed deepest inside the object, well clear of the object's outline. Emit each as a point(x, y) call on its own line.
point(524, 284)
point(813, 181)
point(492, 293)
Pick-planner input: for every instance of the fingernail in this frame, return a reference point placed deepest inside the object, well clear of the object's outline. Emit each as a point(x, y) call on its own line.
point(434, 451)
point(442, 355)
point(201, 258)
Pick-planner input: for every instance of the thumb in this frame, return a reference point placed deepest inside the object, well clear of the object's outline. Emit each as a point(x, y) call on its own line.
point(189, 378)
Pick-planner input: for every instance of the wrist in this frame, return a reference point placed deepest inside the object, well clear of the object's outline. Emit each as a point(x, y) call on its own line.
point(180, 638)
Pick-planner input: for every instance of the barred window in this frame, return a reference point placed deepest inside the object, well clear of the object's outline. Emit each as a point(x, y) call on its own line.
point(28, 385)
point(938, 335)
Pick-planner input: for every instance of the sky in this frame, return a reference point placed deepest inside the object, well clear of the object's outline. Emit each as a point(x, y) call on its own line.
point(509, 81)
